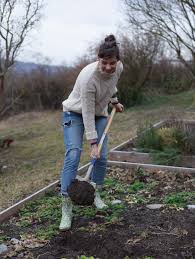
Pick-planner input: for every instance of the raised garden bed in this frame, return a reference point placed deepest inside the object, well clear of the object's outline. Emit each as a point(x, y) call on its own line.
point(130, 229)
point(127, 151)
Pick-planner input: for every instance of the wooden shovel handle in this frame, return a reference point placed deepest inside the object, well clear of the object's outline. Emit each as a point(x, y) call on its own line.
point(106, 129)
point(86, 178)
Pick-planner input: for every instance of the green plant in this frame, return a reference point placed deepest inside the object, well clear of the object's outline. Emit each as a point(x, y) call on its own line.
point(150, 138)
point(151, 185)
point(119, 188)
point(147, 139)
point(169, 156)
point(3, 238)
point(179, 199)
point(45, 212)
point(176, 136)
point(136, 186)
point(135, 199)
point(140, 172)
point(167, 136)
point(46, 233)
point(110, 182)
point(87, 212)
point(45, 209)
point(166, 145)
point(116, 211)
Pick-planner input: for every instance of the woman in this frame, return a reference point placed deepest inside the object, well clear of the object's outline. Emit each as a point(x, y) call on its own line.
point(86, 109)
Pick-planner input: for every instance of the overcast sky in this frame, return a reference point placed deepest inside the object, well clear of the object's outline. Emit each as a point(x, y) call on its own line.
point(69, 26)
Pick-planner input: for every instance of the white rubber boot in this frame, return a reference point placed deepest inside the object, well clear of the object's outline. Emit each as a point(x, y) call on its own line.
point(66, 219)
point(98, 202)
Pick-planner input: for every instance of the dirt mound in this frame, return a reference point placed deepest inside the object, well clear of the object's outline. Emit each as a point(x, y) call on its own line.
point(81, 192)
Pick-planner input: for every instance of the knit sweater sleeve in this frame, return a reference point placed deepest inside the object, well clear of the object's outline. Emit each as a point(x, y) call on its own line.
point(119, 70)
point(88, 93)
point(114, 98)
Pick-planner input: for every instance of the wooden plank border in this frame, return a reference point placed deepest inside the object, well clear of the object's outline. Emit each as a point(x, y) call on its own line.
point(168, 169)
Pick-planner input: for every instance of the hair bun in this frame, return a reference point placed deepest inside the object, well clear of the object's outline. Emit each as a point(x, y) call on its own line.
point(109, 48)
point(110, 41)
point(110, 38)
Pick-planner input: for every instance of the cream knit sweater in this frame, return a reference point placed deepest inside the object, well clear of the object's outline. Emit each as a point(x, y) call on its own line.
point(92, 92)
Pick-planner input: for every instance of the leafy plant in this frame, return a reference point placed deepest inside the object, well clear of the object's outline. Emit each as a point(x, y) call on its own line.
point(87, 212)
point(47, 233)
point(135, 199)
point(180, 199)
point(151, 185)
point(136, 186)
point(180, 134)
point(166, 145)
point(169, 156)
point(45, 212)
point(4, 238)
point(167, 136)
point(114, 214)
point(109, 182)
point(147, 139)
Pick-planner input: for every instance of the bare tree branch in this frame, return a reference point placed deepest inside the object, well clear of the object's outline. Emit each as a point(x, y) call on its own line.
point(172, 20)
point(14, 28)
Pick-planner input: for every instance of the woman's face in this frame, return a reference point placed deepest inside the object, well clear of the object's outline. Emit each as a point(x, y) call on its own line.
point(108, 65)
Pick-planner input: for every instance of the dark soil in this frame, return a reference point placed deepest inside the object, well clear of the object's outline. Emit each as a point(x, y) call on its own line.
point(141, 232)
point(81, 192)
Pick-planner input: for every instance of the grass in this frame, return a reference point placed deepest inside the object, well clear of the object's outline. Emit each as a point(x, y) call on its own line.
point(35, 158)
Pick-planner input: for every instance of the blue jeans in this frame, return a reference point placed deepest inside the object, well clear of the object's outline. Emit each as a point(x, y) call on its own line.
point(73, 141)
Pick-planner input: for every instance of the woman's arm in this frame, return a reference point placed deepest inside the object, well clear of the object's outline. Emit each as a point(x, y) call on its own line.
point(88, 110)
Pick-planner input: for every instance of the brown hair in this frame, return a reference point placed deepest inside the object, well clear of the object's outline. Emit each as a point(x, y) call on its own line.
point(109, 48)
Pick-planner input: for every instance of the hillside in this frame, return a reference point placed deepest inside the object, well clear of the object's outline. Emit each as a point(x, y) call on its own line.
point(27, 67)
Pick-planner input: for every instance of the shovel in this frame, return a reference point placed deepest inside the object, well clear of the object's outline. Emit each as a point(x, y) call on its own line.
point(81, 191)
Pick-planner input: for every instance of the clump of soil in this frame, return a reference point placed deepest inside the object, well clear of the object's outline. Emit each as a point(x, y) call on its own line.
point(81, 192)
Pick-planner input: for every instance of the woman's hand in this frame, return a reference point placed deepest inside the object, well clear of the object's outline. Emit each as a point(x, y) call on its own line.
point(119, 107)
point(94, 151)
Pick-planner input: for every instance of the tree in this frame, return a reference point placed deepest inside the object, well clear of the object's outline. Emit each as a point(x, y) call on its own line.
point(138, 57)
point(17, 19)
point(172, 20)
